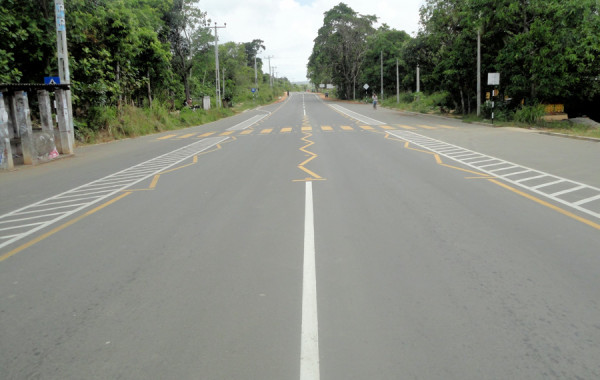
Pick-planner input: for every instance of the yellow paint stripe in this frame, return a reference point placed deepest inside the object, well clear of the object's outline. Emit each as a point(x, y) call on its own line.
point(387, 127)
point(61, 227)
point(246, 132)
point(265, 131)
point(226, 133)
point(166, 137)
point(314, 175)
point(186, 136)
point(549, 205)
point(286, 130)
point(516, 191)
point(326, 128)
point(406, 127)
point(307, 128)
point(425, 126)
point(154, 181)
point(207, 134)
point(347, 128)
point(446, 126)
point(366, 127)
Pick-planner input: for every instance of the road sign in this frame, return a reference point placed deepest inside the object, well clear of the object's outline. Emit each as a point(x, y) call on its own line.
point(51, 80)
point(253, 89)
point(366, 86)
point(493, 79)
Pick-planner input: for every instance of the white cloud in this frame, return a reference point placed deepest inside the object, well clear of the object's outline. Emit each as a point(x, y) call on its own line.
point(289, 27)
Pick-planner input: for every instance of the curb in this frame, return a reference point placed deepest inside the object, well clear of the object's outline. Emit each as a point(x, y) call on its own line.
point(592, 139)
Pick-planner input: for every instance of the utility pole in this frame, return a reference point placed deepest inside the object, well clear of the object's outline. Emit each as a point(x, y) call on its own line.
point(270, 76)
point(255, 74)
point(218, 94)
point(381, 76)
point(418, 79)
point(478, 72)
point(63, 66)
point(397, 83)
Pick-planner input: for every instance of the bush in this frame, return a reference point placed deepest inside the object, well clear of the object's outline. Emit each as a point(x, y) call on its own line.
point(530, 114)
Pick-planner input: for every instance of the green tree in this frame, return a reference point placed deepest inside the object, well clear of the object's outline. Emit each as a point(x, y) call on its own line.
point(391, 43)
point(188, 33)
point(28, 40)
point(340, 48)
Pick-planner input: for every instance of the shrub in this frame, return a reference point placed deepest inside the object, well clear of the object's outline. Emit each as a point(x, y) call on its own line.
point(530, 114)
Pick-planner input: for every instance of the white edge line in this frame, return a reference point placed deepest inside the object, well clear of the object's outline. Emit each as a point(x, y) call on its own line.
point(21, 236)
point(348, 113)
point(309, 347)
point(257, 117)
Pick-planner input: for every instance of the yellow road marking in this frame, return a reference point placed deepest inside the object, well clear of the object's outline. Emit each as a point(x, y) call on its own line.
point(495, 181)
point(61, 227)
point(186, 136)
point(306, 129)
point(387, 127)
point(406, 127)
point(446, 126)
point(326, 128)
point(286, 130)
point(207, 134)
point(154, 181)
point(549, 205)
point(347, 128)
point(311, 157)
point(166, 137)
point(226, 133)
point(366, 127)
point(265, 131)
point(246, 132)
point(425, 126)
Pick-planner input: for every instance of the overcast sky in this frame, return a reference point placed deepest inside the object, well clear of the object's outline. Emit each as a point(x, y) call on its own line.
point(289, 27)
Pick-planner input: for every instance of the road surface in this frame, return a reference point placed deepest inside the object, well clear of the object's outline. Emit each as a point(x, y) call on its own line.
point(307, 239)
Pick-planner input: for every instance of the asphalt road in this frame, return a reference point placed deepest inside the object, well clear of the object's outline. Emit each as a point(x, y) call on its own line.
point(318, 242)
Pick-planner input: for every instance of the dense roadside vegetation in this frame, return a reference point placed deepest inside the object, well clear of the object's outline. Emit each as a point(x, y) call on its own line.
point(546, 51)
point(133, 63)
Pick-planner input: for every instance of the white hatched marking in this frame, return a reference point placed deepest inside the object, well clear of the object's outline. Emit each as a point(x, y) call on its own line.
point(568, 191)
point(532, 178)
point(506, 168)
point(433, 145)
point(588, 200)
point(519, 172)
point(548, 184)
point(95, 191)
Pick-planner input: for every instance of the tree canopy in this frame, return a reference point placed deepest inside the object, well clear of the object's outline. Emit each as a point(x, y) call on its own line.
point(126, 51)
point(544, 50)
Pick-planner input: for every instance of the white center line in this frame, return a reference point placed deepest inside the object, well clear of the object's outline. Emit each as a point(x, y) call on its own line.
point(309, 347)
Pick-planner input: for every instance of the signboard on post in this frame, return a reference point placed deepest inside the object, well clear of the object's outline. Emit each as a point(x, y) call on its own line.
point(51, 80)
point(493, 79)
point(61, 25)
point(366, 86)
point(253, 90)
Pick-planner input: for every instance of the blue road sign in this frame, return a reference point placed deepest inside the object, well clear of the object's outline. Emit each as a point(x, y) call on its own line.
point(51, 80)
point(253, 89)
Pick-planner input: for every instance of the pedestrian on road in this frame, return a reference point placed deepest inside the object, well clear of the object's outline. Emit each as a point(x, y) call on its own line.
point(374, 101)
